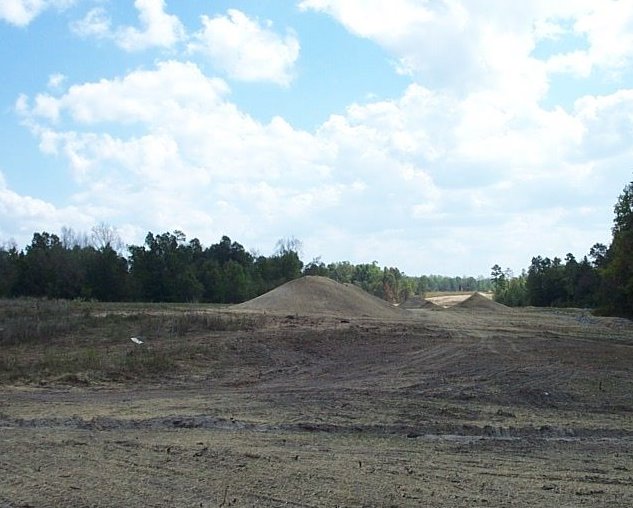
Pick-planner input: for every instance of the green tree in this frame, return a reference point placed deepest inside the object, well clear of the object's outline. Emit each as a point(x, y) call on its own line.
point(342, 271)
point(9, 270)
point(617, 291)
point(163, 270)
point(106, 275)
point(47, 269)
point(499, 280)
point(369, 277)
point(316, 267)
point(514, 294)
point(598, 255)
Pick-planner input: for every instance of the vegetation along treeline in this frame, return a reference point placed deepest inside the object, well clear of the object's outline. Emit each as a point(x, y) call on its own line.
point(603, 279)
point(168, 268)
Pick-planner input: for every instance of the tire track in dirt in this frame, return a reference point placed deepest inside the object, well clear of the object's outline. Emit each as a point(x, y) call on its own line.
point(428, 430)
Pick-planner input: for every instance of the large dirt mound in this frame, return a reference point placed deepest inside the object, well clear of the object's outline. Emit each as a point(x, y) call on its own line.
point(418, 302)
point(479, 302)
point(320, 295)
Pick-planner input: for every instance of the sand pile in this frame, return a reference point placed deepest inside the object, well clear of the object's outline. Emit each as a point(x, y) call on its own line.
point(479, 302)
point(320, 295)
point(418, 302)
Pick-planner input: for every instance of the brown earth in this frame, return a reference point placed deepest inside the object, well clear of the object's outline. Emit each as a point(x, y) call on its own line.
point(530, 407)
point(450, 299)
point(479, 302)
point(418, 302)
point(321, 295)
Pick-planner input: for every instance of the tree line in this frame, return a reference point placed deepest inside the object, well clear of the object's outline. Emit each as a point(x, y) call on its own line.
point(390, 283)
point(166, 268)
point(603, 279)
point(170, 268)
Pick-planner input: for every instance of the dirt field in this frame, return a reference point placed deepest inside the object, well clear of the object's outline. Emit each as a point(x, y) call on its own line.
point(460, 407)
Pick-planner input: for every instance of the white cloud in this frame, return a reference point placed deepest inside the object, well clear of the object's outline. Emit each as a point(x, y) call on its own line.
point(431, 167)
point(56, 80)
point(96, 23)
point(246, 49)
point(466, 164)
point(607, 124)
point(606, 31)
point(469, 46)
point(607, 27)
point(197, 162)
point(33, 214)
point(374, 18)
point(22, 12)
point(436, 43)
point(140, 97)
point(157, 28)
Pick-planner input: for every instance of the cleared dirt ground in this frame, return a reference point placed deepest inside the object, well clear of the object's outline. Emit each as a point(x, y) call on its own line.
point(468, 406)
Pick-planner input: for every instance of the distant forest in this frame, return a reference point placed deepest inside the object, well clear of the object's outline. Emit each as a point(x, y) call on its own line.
point(168, 268)
point(603, 279)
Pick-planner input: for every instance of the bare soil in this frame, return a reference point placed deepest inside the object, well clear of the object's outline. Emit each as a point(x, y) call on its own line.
point(320, 295)
point(454, 408)
point(479, 302)
point(451, 299)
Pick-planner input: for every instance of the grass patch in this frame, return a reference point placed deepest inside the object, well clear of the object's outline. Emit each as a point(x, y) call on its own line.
point(81, 342)
point(30, 320)
point(87, 365)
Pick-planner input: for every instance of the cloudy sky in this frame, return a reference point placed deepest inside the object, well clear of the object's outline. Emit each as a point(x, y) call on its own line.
point(439, 136)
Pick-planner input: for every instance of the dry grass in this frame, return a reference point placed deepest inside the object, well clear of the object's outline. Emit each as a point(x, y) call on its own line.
point(85, 341)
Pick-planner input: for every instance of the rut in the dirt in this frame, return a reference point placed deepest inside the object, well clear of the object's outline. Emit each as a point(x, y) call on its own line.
point(428, 430)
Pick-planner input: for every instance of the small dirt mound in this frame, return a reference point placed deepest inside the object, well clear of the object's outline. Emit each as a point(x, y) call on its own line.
point(320, 295)
point(479, 302)
point(418, 302)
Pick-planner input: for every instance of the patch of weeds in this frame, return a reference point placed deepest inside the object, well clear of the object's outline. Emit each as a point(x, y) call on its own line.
point(182, 324)
point(86, 365)
point(142, 361)
point(9, 363)
point(32, 328)
point(78, 341)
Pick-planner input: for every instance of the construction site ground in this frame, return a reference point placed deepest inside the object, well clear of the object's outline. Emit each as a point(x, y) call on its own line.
point(467, 406)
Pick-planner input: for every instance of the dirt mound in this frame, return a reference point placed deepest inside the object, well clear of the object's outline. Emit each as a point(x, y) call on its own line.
point(479, 302)
point(418, 302)
point(320, 295)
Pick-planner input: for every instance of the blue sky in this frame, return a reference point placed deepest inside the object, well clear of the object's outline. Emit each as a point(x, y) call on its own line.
point(437, 136)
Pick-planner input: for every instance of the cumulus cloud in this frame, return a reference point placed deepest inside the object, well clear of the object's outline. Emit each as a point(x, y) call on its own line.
point(247, 49)
point(195, 160)
point(157, 28)
point(606, 30)
point(142, 96)
point(607, 124)
point(22, 12)
point(423, 170)
point(438, 44)
point(32, 214)
point(56, 80)
point(96, 23)
point(468, 46)
point(465, 164)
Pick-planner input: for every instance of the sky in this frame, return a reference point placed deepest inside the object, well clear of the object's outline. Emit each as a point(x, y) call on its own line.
point(436, 136)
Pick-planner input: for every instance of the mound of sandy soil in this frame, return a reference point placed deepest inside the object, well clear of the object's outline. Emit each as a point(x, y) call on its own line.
point(479, 302)
point(417, 302)
point(320, 295)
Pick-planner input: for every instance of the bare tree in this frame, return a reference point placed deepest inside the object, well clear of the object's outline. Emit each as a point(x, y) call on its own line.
point(70, 238)
point(104, 235)
point(291, 244)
